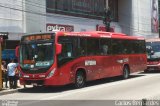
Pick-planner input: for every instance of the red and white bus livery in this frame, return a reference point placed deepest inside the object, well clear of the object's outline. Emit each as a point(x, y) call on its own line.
point(153, 54)
point(61, 58)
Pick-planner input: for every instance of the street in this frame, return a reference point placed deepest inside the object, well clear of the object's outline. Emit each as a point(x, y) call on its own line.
point(58, 42)
point(137, 87)
point(105, 92)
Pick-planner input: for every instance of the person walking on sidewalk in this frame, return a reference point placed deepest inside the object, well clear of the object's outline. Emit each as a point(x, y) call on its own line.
point(11, 68)
point(5, 74)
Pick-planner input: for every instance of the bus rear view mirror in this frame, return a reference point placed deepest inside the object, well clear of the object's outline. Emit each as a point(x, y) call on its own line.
point(17, 51)
point(58, 48)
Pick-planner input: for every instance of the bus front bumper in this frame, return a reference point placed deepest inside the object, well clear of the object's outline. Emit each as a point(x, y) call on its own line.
point(53, 81)
point(153, 67)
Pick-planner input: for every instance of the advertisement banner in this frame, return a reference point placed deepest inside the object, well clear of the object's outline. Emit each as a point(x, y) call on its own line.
point(103, 28)
point(59, 27)
point(154, 16)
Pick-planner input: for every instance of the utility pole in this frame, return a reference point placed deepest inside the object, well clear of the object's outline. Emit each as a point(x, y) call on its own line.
point(3, 37)
point(159, 17)
point(107, 19)
point(1, 82)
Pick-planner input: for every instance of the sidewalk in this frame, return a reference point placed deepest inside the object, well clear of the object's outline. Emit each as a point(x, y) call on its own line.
point(6, 91)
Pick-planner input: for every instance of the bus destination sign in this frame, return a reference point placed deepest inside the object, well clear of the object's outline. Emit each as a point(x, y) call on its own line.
point(37, 37)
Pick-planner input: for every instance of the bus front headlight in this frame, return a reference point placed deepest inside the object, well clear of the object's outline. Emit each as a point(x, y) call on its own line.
point(51, 73)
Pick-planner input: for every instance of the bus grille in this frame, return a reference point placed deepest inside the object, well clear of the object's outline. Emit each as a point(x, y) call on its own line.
point(38, 82)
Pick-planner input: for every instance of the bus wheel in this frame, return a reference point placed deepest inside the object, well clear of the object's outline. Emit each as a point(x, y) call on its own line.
point(80, 79)
point(125, 72)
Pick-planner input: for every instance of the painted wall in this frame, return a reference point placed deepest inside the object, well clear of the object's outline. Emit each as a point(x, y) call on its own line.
point(28, 16)
point(37, 22)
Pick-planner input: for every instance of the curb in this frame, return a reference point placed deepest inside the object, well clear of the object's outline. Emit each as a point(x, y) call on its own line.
point(10, 91)
point(5, 92)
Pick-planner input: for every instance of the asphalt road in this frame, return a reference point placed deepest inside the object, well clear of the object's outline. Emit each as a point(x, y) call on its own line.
point(105, 92)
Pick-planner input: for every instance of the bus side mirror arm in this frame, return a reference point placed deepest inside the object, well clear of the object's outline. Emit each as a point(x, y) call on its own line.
point(17, 51)
point(58, 48)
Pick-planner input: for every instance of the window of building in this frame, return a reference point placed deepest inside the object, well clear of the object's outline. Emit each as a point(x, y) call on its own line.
point(113, 5)
point(79, 8)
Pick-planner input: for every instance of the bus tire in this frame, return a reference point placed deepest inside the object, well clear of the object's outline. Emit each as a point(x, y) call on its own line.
point(126, 72)
point(80, 79)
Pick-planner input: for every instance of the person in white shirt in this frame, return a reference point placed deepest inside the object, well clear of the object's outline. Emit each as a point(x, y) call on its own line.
point(11, 68)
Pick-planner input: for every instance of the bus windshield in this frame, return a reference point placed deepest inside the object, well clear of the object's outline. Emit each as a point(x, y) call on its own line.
point(36, 55)
point(153, 50)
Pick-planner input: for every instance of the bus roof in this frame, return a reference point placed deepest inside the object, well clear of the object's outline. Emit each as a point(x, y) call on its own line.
point(104, 35)
point(99, 34)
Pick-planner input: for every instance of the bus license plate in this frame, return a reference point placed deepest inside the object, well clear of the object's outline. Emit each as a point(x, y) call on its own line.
point(151, 68)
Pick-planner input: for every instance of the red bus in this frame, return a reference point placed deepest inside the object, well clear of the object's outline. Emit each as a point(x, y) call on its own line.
point(153, 54)
point(61, 58)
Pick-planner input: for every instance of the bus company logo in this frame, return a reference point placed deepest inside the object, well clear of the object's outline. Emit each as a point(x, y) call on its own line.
point(90, 63)
point(58, 27)
point(9, 103)
point(123, 60)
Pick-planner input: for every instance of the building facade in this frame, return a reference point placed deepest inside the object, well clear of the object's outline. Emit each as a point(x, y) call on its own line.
point(133, 17)
point(136, 17)
point(68, 15)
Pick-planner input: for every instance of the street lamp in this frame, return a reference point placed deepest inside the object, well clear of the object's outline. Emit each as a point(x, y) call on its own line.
point(107, 19)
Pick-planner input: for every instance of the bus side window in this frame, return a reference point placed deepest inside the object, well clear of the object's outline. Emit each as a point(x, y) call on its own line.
point(67, 50)
point(67, 53)
point(81, 49)
point(105, 46)
point(93, 47)
point(105, 49)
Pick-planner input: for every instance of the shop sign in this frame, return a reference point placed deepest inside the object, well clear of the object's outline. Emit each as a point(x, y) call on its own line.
point(59, 27)
point(103, 28)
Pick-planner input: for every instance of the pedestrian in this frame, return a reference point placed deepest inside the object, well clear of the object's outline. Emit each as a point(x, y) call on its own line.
point(11, 68)
point(5, 73)
point(16, 74)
